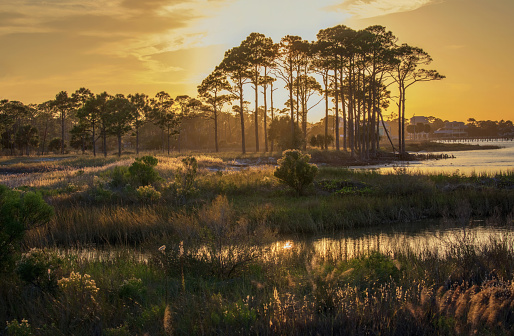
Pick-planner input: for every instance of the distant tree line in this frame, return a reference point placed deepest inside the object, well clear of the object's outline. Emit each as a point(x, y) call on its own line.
point(91, 121)
point(351, 70)
point(473, 128)
point(489, 128)
point(100, 123)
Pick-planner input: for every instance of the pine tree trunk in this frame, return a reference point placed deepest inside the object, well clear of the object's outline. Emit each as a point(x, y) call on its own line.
point(256, 114)
point(241, 114)
point(325, 83)
point(216, 129)
point(272, 112)
point(119, 145)
point(265, 119)
point(63, 116)
point(336, 121)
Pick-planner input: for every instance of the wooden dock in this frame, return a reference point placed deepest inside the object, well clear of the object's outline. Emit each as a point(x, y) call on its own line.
point(473, 139)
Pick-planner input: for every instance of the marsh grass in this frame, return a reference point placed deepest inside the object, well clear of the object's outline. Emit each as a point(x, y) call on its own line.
point(95, 209)
point(201, 287)
point(465, 289)
point(121, 225)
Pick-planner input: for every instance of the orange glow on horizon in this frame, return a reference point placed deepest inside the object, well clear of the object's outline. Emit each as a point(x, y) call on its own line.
point(128, 47)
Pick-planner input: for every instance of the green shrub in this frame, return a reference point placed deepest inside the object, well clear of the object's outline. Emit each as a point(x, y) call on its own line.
point(280, 133)
point(15, 328)
point(79, 294)
point(120, 177)
point(185, 178)
point(188, 175)
point(132, 290)
point(184, 186)
point(295, 171)
point(55, 145)
point(148, 194)
point(19, 212)
point(100, 194)
point(142, 170)
point(369, 271)
point(39, 267)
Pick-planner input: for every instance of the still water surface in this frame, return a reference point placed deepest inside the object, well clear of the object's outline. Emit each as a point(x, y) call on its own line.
point(433, 237)
point(488, 161)
point(419, 238)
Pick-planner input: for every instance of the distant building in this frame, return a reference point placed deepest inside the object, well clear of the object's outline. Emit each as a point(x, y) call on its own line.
point(416, 120)
point(419, 120)
point(454, 129)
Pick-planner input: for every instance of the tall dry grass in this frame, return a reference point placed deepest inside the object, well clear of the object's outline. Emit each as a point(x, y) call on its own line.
point(295, 290)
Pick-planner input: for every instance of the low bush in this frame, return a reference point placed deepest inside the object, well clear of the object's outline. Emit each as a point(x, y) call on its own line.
point(19, 212)
point(39, 268)
point(79, 295)
point(148, 194)
point(119, 177)
point(142, 170)
point(132, 290)
point(215, 242)
point(295, 171)
point(15, 328)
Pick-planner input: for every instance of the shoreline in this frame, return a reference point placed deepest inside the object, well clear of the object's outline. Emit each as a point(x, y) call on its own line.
point(416, 151)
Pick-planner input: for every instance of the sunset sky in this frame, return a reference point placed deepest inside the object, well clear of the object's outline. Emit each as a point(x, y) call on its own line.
point(129, 46)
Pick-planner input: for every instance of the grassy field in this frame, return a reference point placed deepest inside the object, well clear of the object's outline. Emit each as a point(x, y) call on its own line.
point(97, 268)
point(182, 291)
point(96, 203)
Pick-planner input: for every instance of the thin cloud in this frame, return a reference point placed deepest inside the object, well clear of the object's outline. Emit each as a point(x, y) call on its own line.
point(10, 18)
point(372, 8)
point(77, 32)
point(149, 5)
point(231, 21)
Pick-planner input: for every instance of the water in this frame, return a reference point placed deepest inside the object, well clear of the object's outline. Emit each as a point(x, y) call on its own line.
point(419, 238)
point(434, 237)
point(488, 161)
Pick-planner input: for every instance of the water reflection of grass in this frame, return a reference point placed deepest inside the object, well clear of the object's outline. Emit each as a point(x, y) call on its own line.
point(465, 290)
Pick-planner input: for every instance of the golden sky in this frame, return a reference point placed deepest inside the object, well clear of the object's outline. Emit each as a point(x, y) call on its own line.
point(128, 46)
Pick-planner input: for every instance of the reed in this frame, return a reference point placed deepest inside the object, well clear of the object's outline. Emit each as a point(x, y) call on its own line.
point(296, 290)
point(220, 274)
point(91, 209)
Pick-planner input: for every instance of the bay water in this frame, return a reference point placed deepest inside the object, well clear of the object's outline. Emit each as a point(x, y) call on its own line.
point(484, 161)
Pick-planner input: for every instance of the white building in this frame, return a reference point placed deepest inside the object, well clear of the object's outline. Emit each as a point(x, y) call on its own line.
point(419, 120)
point(453, 129)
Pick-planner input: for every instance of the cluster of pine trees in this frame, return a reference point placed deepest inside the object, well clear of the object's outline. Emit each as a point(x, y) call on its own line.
point(90, 119)
point(353, 71)
point(355, 68)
